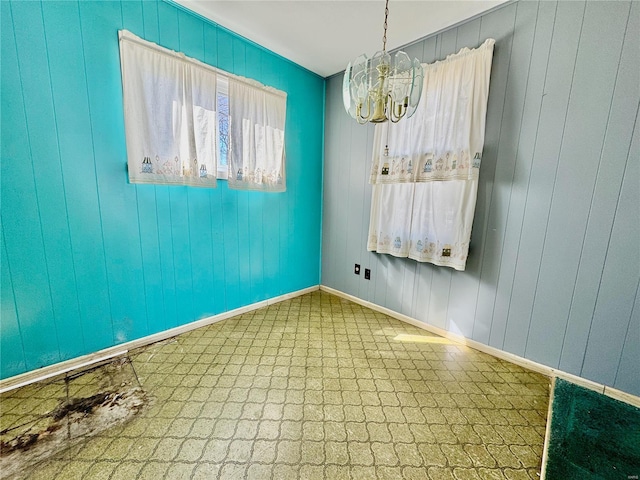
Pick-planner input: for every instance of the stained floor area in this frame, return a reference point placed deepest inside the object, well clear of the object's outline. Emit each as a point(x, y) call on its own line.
point(313, 387)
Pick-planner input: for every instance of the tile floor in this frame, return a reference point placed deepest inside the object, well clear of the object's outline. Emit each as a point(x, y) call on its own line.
point(310, 388)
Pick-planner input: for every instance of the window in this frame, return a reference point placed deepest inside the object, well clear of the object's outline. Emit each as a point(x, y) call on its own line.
point(188, 123)
point(223, 127)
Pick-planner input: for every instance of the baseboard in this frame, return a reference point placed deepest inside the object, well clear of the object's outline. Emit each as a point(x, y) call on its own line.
point(83, 361)
point(495, 352)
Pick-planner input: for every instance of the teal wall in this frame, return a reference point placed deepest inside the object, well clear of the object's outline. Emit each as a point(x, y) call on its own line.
point(553, 273)
point(89, 260)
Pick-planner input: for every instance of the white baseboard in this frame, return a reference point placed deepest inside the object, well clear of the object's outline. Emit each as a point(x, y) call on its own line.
point(495, 352)
point(83, 361)
point(66, 366)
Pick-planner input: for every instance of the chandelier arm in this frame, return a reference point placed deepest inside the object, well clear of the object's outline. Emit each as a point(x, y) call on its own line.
point(368, 115)
point(392, 107)
point(402, 111)
point(396, 119)
point(362, 119)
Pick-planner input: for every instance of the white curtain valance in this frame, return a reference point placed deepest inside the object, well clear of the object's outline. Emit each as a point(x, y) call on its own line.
point(167, 99)
point(256, 160)
point(444, 138)
point(425, 168)
point(172, 124)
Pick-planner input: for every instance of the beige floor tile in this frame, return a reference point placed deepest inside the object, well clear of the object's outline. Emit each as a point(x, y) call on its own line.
point(311, 388)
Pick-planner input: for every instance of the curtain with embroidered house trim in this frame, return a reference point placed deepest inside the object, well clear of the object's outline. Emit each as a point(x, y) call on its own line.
point(256, 160)
point(170, 115)
point(183, 116)
point(425, 169)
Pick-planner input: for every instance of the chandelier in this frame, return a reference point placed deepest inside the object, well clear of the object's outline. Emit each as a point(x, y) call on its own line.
point(375, 90)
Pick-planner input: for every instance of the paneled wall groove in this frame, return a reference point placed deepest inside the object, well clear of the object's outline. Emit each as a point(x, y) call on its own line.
point(505, 273)
point(593, 200)
point(553, 266)
point(75, 302)
point(555, 173)
point(10, 316)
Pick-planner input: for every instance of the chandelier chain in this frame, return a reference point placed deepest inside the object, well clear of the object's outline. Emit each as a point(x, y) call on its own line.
point(384, 36)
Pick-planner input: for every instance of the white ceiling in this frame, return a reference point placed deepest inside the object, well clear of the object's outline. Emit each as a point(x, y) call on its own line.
point(324, 35)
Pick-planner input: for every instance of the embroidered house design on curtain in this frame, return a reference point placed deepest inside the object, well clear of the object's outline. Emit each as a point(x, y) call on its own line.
point(425, 169)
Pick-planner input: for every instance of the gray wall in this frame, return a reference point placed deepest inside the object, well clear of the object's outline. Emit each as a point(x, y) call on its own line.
point(554, 263)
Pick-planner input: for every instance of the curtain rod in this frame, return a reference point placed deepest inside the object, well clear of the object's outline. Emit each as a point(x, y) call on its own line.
point(128, 36)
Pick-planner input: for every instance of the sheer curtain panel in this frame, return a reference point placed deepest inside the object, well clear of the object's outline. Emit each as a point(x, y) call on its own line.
point(256, 160)
point(425, 168)
point(170, 116)
point(183, 118)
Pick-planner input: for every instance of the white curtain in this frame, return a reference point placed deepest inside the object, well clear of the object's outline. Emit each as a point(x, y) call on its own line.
point(425, 169)
point(205, 128)
point(173, 131)
point(256, 160)
point(169, 110)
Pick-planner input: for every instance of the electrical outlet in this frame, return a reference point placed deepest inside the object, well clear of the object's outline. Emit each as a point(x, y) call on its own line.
point(367, 274)
point(356, 269)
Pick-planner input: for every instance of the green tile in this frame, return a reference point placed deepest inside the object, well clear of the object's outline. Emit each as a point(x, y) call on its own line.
point(313, 387)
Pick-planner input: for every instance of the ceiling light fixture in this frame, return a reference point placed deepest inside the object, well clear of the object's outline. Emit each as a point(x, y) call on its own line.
point(374, 90)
